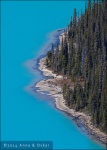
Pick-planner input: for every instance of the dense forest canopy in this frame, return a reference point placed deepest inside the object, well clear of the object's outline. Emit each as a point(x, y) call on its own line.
point(82, 59)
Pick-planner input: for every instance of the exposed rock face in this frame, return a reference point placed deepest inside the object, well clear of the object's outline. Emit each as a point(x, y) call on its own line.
point(54, 87)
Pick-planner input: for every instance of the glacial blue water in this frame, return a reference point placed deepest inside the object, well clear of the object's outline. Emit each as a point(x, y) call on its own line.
point(25, 114)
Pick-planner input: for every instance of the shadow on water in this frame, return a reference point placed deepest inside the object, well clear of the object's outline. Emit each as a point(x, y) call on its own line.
point(33, 67)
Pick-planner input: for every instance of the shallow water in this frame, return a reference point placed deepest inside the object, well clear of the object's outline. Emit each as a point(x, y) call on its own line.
point(25, 114)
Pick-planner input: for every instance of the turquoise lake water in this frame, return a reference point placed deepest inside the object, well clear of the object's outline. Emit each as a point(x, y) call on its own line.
point(25, 114)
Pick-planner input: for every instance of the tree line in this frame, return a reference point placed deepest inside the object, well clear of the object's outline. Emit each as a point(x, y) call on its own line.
point(82, 59)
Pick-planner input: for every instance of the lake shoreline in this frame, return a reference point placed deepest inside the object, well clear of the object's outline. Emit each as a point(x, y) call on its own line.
point(82, 120)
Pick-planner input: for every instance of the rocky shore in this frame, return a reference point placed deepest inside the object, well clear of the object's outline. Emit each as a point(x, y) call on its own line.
point(52, 85)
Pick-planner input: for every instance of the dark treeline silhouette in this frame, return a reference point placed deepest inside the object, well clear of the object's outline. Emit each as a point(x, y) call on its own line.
point(82, 59)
